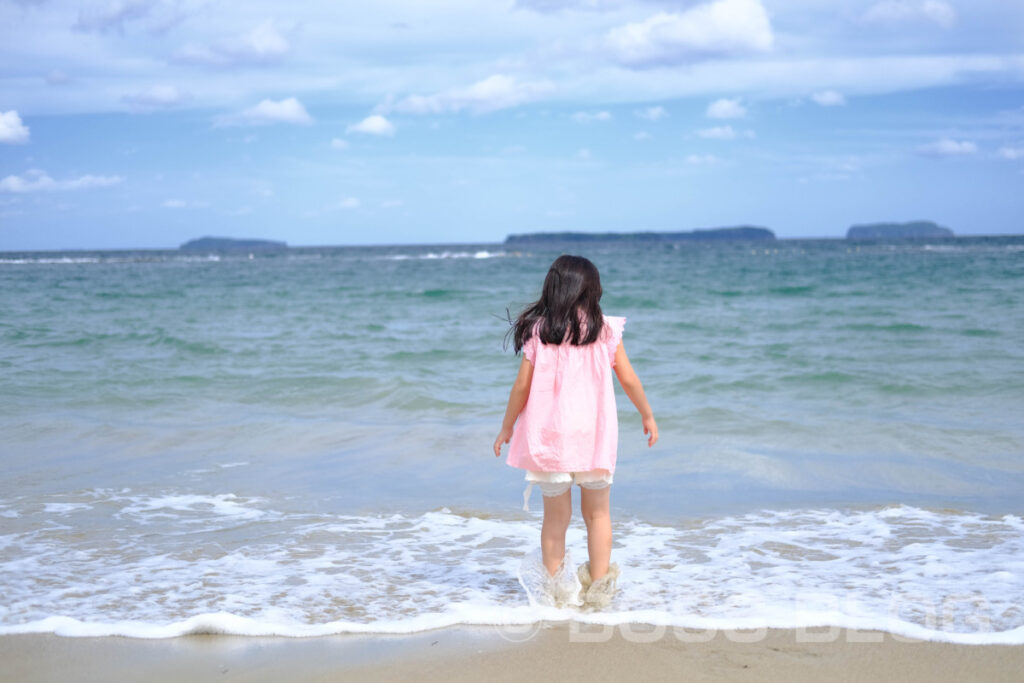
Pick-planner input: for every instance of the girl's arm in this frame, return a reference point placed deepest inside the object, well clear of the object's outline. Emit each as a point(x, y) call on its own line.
point(635, 390)
point(516, 400)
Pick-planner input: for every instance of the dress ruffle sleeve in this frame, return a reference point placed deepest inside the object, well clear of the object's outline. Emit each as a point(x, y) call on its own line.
point(615, 326)
point(530, 348)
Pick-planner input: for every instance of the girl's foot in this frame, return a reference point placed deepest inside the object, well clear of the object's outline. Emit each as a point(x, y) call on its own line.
point(559, 590)
point(597, 594)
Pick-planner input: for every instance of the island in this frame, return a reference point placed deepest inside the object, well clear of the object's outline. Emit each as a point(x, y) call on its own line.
point(231, 244)
point(898, 231)
point(738, 233)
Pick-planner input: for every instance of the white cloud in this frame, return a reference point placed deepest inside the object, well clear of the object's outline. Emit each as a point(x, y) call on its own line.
point(701, 159)
point(36, 180)
point(584, 154)
point(726, 109)
point(724, 133)
point(491, 94)
point(183, 204)
point(641, 136)
point(349, 203)
point(262, 45)
point(717, 28)
point(373, 125)
point(12, 130)
point(269, 111)
point(829, 98)
point(653, 113)
point(892, 12)
point(717, 133)
point(588, 117)
point(948, 148)
point(1012, 153)
point(339, 144)
point(159, 96)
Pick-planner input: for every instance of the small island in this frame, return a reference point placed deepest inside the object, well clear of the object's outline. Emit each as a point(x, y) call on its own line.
point(231, 244)
point(898, 231)
point(739, 233)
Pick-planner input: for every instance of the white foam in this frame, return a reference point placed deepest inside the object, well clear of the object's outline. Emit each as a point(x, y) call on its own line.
point(50, 261)
point(226, 505)
point(432, 256)
point(64, 508)
point(220, 563)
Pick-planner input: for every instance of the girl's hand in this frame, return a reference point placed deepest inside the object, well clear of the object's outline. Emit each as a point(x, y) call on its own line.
point(503, 437)
point(651, 429)
point(516, 400)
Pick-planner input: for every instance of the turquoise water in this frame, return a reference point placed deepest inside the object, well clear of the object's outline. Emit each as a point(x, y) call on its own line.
point(225, 400)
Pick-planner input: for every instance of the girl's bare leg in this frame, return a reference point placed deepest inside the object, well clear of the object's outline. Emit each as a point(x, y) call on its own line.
point(597, 516)
point(557, 513)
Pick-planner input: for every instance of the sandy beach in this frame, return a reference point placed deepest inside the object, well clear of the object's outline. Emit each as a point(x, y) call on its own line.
point(483, 653)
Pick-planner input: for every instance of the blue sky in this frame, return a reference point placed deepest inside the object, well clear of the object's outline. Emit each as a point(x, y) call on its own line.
point(145, 123)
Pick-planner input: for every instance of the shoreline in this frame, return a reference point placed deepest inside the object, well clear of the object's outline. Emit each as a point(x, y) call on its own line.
point(464, 653)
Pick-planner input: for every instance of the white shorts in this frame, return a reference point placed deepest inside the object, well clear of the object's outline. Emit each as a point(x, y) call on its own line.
point(557, 483)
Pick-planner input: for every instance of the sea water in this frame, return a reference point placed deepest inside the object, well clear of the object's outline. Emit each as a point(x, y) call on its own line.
point(299, 442)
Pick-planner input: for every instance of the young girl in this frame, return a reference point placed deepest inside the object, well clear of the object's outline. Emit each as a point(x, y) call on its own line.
point(567, 428)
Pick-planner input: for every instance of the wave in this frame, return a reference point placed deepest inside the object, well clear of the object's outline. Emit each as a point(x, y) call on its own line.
point(933, 575)
point(433, 256)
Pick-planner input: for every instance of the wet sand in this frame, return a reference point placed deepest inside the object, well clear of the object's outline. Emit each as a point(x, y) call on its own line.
point(636, 652)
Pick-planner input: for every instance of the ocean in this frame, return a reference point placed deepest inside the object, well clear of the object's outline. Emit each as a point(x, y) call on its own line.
point(299, 442)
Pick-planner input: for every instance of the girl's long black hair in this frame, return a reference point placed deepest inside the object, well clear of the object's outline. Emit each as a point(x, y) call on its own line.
point(569, 307)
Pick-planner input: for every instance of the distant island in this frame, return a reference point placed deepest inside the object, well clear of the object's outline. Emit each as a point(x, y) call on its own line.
point(740, 233)
point(231, 244)
point(898, 231)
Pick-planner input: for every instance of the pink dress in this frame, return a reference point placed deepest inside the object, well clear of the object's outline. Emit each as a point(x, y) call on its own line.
point(570, 422)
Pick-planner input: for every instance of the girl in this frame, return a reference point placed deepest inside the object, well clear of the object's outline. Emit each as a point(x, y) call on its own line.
point(567, 428)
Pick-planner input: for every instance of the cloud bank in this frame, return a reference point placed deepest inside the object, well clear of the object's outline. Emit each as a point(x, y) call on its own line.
point(493, 93)
point(261, 46)
point(37, 180)
point(948, 148)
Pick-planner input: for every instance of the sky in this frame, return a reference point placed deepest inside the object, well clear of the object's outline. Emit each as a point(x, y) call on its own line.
point(146, 123)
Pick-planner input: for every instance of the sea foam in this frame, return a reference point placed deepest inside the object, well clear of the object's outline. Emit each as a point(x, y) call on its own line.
point(156, 566)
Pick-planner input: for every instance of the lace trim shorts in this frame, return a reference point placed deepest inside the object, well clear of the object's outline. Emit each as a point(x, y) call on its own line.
point(557, 483)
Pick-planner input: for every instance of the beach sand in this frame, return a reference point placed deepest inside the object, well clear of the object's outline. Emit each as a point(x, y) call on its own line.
point(483, 653)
